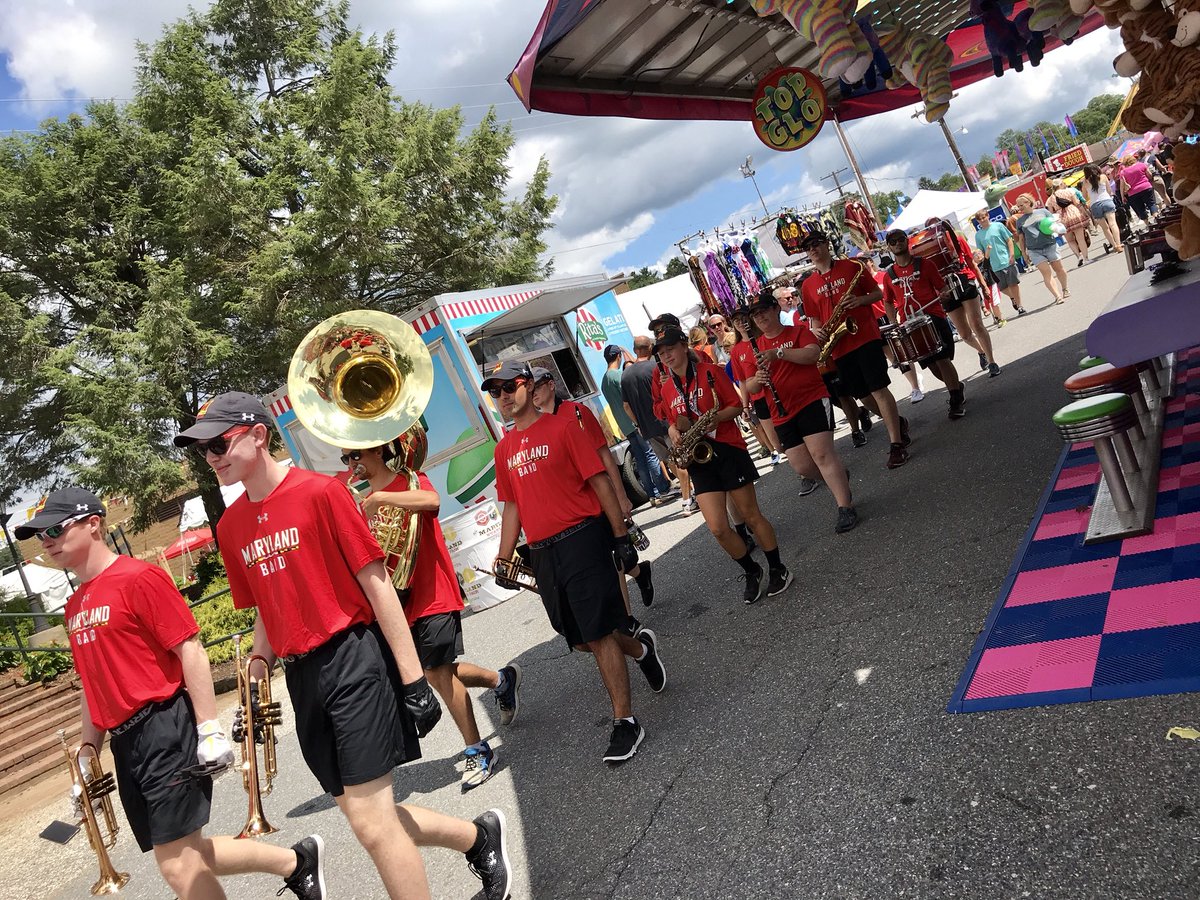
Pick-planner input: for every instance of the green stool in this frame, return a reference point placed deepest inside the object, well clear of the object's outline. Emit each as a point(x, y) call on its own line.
point(1105, 420)
point(1088, 361)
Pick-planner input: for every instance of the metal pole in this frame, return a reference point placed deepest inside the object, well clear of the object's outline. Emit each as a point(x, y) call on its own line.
point(962, 166)
point(858, 175)
point(17, 558)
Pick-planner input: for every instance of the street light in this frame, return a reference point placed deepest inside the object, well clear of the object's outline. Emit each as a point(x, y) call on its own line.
point(748, 172)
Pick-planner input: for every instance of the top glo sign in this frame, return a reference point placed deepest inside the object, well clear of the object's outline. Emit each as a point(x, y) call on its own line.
point(789, 108)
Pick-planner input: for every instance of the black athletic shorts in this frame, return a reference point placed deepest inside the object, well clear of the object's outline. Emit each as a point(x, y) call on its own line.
point(761, 409)
point(955, 301)
point(813, 419)
point(148, 755)
point(863, 370)
point(579, 584)
point(350, 723)
point(439, 639)
point(833, 384)
point(729, 469)
point(943, 329)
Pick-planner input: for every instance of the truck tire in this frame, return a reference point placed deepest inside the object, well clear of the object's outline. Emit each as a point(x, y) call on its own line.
point(633, 487)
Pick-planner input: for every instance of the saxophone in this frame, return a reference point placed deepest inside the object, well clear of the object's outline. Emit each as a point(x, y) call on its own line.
point(839, 324)
point(693, 448)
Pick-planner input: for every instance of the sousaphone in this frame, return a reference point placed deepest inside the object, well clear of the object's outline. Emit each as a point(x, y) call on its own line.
point(361, 379)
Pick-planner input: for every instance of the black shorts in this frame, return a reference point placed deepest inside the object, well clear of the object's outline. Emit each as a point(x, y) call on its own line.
point(350, 723)
point(439, 639)
point(761, 409)
point(969, 292)
point(943, 329)
point(729, 469)
point(813, 419)
point(579, 584)
point(148, 756)
point(863, 370)
point(833, 384)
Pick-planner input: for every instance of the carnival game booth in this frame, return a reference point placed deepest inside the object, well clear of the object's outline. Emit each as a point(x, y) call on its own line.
point(562, 324)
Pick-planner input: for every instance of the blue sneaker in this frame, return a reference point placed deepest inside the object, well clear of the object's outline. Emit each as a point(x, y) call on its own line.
point(508, 700)
point(480, 765)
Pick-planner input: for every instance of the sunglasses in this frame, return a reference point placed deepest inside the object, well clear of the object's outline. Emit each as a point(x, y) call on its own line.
point(219, 445)
point(507, 387)
point(54, 532)
point(352, 456)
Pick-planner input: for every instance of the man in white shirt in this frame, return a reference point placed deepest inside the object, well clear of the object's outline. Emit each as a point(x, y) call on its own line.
point(788, 304)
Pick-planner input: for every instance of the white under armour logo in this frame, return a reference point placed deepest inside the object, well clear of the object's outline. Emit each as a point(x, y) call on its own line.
point(80, 507)
point(247, 417)
point(262, 518)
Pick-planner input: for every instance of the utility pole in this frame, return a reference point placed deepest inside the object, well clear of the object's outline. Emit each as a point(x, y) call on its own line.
point(856, 169)
point(837, 182)
point(962, 166)
point(748, 172)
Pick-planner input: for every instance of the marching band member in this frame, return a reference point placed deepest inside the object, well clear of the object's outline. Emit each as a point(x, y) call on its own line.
point(861, 365)
point(554, 485)
point(909, 287)
point(433, 605)
point(147, 680)
point(657, 325)
point(297, 549)
point(692, 389)
point(758, 402)
point(911, 374)
point(965, 311)
point(786, 366)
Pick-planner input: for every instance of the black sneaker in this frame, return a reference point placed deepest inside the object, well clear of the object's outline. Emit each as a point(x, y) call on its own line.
point(508, 701)
point(1021, 310)
point(808, 485)
point(625, 740)
point(308, 881)
point(858, 439)
point(651, 664)
point(490, 863)
point(645, 584)
point(847, 519)
point(993, 370)
point(779, 580)
point(957, 404)
point(864, 419)
point(905, 437)
point(897, 456)
point(983, 363)
point(753, 584)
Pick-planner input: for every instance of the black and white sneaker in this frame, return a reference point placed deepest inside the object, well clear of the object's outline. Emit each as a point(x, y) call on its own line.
point(754, 586)
point(858, 439)
point(626, 738)
point(308, 881)
point(508, 701)
point(651, 664)
point(645, 583)
point(779, 580)
point(490, 863)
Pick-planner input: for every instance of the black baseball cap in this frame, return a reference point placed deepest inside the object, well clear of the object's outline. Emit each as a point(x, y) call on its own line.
point(894, 235)
point(541, 374)
point(506, 371)
point(813, 238)
point(611, 352)
point(223, 412)
point(665, 320)
point(766, 300)
point(670, 336)
point(67, 503)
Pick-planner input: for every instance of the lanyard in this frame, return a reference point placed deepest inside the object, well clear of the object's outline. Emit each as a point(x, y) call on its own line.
point(685, 388)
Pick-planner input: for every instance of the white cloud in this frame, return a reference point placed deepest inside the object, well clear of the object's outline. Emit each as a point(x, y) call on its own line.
point(587, 252)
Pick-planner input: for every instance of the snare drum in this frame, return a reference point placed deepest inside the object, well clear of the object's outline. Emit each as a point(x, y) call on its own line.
point(913, 340)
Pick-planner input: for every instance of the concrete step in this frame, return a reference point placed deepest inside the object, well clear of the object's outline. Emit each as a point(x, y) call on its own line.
point(37, 722)
point(48, 764)
point(42, 745)
point(36, 695)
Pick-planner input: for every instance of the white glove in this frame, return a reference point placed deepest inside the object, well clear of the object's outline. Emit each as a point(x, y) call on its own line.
point(214, 747)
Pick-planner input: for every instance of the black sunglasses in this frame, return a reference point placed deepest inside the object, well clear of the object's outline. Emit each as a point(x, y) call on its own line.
point(54, 532)
point(507, 387)
point(352, 456)
point(219, 445)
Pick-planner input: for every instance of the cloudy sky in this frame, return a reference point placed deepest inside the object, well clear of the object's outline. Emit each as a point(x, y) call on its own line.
point(628, 189)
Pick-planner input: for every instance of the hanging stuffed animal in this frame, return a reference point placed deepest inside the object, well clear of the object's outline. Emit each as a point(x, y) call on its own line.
point(877, 73)
point(1184, 236)
point(1004, 41)
point(923, 60)
point(1187, 17)
point(1055, 16)
point(1035, 44)
point(825, 24)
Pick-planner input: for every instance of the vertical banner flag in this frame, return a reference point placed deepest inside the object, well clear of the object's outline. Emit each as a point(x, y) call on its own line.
point(1029, 149)
point(974, 173)
point(1071, 127)
point(1045, 143)
point(1004, 159)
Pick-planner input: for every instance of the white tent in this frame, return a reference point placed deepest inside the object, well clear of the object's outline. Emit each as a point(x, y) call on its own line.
point(957, 206)
point(193, 514)
point(52, 584)
point(675, 295)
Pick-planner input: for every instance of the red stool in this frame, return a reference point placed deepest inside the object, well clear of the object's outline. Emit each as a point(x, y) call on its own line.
point(1107, 378)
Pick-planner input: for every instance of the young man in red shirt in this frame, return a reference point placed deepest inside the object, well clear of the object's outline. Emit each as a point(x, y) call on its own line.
point(693, 389)
point(911, 285)
point(787, 362)
point(861, 364)
point(297, 549)
point(553, 484)
point(433, 606)
point(146, 679)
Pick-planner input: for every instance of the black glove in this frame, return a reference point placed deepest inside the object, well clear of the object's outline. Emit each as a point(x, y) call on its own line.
point(626, 554)
point(422, 705)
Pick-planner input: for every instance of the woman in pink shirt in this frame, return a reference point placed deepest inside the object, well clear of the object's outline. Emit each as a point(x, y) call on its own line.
point(1136, 187)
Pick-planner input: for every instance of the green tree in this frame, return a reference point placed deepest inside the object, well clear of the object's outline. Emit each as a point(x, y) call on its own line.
point(886, 203)
point(986, 166)
point(264, 177)
point(947, 181)
point(675, 266)
point(639, 278)
point(1093, 121)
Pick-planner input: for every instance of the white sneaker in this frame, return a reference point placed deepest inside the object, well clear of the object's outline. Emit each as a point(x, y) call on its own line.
point(690, 507)
point(916, 396)
point(774, 459)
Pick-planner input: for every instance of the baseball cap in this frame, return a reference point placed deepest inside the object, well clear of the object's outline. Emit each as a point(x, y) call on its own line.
point(67, 503)
point(669, 337)
point(766, 300)
point(813, 238)
point(223, 412)
point(611, 352)
point(664, 320)
point(541, 374)
point(508, 370)
point(895, 235)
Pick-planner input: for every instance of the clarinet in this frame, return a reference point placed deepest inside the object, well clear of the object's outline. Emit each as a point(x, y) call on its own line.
point(779, 407)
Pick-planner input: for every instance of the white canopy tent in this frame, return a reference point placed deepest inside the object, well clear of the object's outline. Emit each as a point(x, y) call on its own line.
point(193, 514)
point(674, 295)
point(52, 584)
point(957, 206)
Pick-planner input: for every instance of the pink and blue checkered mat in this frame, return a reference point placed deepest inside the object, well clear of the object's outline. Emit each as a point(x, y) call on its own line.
point(1113, 620)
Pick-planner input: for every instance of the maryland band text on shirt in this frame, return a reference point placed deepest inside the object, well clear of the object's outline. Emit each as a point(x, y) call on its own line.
point(82, 626)
point(267, 552)
point(525, 460)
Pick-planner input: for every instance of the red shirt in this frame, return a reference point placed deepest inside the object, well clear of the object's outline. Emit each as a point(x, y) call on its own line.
point(584, 418)
point(544, 470)
point(122, 627)
point(434, 587)
point(720, 394)
point(798, 385)
point(821, 294)
point(294, 555)
point(878, 307)
point(910, 289)
point(741, 357)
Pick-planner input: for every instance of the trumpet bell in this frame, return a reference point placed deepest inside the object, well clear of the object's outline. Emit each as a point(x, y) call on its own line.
point(360, 378)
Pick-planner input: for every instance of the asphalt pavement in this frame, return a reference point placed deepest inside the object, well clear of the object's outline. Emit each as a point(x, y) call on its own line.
point(802, 748)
